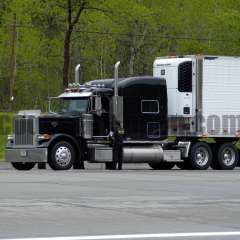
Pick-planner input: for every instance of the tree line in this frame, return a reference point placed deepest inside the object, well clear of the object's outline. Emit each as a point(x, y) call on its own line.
point(42, 40)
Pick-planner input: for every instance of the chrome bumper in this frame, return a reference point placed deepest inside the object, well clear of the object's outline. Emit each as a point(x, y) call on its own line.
point(26, 154)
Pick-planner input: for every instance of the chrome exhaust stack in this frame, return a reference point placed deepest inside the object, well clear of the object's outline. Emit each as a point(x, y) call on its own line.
point(116, 78)
point(77, 70)
point(117, 100)
point(76, 82)
point(116, 90)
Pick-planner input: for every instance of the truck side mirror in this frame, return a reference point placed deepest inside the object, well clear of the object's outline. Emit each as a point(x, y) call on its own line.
point(98, 105)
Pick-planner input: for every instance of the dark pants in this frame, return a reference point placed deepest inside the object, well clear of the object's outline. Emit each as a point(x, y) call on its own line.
point(117, 153)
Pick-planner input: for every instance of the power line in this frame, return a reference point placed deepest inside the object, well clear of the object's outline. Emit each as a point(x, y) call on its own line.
point(162, 37)
point(135, 35)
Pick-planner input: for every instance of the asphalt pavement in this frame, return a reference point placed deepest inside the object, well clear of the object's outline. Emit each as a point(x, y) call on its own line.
point(136, 200)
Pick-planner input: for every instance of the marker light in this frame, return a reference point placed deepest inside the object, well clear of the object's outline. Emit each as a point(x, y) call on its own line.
point(44, 137)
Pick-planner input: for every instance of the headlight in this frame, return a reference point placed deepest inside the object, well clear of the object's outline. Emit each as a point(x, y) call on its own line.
point(44, 137)
point(10, 137)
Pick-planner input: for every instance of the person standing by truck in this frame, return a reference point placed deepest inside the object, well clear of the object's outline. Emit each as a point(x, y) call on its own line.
point(117, 145)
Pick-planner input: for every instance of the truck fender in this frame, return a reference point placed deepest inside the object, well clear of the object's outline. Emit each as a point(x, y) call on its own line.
point(62, 137)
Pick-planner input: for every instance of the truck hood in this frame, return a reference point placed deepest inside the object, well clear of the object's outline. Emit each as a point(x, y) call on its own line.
point(60, 124)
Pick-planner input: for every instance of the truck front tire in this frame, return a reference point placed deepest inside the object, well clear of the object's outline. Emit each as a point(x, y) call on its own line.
point(62, 156)
point(200, 156)
point(162, 165)
point(23, 166)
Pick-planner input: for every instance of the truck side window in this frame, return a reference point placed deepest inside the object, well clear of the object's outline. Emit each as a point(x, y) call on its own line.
point(185, 77)
point(150, 106)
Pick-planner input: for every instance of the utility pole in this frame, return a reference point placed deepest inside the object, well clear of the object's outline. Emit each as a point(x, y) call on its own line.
point(13, 67)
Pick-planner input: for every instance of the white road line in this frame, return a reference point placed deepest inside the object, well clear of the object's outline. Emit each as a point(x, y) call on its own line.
point(136, 236)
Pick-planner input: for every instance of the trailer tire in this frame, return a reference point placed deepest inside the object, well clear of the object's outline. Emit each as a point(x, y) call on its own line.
point(200, 156)
point(227, 157)
point(162, 165)
point(23, 166)
point(62, 156)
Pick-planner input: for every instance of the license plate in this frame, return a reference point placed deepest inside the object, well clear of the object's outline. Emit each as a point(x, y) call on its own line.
point(23, 153)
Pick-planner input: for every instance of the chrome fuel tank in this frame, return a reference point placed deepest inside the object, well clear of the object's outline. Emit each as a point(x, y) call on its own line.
point(141, 154)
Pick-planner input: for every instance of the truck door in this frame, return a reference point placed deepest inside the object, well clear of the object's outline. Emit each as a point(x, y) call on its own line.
point(102, 121)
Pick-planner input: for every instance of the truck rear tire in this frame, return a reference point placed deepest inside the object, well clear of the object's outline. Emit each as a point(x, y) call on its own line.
point(23, 166)
point(227, 157)
point(200, 156)
point(162, 165)
point(62, 156)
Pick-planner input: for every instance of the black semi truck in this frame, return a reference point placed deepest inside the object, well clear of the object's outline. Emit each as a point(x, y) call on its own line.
point(93, 116)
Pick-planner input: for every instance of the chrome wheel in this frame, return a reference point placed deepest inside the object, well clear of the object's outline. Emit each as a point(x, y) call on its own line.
point(229, 156)
point(201, 156)
point(63, 156)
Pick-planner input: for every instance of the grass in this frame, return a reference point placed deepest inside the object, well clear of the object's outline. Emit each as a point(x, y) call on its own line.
point(5, 129)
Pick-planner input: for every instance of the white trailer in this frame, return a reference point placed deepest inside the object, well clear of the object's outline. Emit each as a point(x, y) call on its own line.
point(204, 103)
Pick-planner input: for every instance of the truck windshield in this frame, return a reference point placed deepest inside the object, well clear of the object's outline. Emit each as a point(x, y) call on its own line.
point(74, 106)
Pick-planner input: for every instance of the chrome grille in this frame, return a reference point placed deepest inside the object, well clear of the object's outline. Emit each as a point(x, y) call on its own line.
point(23, 131)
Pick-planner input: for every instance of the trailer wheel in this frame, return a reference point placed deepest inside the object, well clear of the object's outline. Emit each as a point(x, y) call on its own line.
point(227, 157)
point(200, 156)
point(162, 165)
point(62, 156)
point(23, 166)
